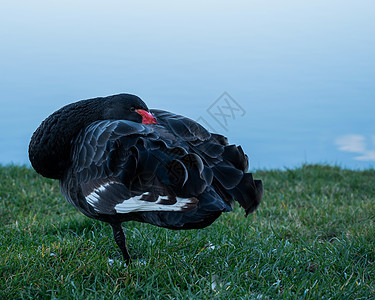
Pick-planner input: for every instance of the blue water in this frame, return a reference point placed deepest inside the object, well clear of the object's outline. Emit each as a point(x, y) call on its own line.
point(293, 82)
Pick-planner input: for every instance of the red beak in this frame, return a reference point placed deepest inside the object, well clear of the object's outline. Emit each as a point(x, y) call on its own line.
point(147, 118)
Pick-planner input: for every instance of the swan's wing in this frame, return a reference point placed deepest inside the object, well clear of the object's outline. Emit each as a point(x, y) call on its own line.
point(124, 167)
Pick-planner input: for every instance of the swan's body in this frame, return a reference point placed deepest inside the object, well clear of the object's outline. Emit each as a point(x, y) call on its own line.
point(116, 162)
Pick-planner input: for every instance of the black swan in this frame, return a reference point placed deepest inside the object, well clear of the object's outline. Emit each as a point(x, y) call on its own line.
point(117, 161)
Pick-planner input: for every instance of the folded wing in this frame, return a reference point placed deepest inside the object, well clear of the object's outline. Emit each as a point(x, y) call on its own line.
point(124, 167)
point(152, 173)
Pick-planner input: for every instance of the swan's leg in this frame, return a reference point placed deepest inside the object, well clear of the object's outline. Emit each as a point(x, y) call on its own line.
point(120, 239)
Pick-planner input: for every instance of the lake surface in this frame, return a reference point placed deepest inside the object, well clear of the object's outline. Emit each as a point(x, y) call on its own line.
point(291, 82)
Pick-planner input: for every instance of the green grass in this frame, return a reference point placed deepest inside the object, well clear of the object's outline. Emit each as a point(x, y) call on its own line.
point(313, 237)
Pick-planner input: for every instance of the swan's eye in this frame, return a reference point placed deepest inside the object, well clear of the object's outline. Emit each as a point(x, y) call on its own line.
point(132, 108)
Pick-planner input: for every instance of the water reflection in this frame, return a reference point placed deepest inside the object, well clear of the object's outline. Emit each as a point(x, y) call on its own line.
point(363, 147)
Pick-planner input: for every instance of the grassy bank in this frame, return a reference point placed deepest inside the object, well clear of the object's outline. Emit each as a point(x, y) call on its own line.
point(313, 237)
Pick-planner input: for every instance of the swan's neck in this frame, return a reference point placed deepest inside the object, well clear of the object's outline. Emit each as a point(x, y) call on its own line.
point(50, 145)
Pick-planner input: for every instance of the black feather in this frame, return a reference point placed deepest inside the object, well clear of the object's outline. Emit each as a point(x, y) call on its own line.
point(174, 174)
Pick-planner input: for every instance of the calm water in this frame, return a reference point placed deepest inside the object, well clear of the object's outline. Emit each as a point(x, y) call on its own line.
point(299, 77)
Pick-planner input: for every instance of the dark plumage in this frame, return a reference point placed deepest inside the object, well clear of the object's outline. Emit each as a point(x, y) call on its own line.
point(117, 161)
